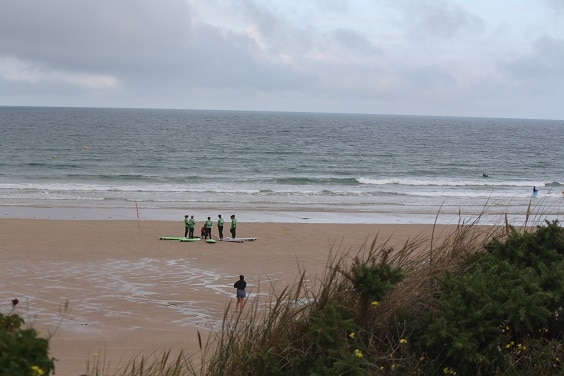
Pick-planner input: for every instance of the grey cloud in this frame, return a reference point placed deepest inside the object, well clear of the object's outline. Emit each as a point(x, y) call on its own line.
point(544, 63)
point(426, 77)
point(263, 18)
point(141, 42)
point(279, 35)
point(354, 42)
point(439, 19)
point(557, 4)
point(231, 60)
point(94, 36)
point(245, 54)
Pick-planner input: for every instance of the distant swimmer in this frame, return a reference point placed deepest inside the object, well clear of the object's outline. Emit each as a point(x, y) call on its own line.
point(535, 191)
point(484, 175)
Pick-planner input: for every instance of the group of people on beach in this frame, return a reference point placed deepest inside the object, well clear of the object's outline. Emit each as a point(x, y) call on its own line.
point(190, 224)
point(206, 230)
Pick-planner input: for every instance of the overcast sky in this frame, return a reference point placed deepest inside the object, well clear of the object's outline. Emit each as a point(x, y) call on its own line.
point(500, 58)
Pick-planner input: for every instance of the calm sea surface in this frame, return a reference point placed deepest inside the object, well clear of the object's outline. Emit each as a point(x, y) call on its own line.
point(273, 166)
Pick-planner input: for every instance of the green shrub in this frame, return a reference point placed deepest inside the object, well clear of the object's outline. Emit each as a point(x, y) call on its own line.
point(375, 282)
point(331, 335)
point(22, 351)
point(505, 304)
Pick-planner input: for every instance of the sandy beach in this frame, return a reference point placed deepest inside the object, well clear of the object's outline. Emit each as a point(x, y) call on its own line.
point(129, 293)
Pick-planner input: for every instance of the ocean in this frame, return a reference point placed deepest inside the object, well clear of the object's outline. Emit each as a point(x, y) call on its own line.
point(101, 163)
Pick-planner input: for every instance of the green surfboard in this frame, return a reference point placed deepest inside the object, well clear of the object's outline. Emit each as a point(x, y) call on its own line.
point(190, 239)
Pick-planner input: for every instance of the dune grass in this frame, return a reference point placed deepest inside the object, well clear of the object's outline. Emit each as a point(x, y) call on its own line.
point(368, 314)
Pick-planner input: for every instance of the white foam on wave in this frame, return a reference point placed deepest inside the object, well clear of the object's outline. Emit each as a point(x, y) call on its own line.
point(482, 182)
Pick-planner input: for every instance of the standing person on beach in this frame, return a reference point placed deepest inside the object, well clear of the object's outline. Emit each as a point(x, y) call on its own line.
point(191, 225)
point(240, 285)
point(233, 229)
point(208, 225)
point(220, 226)
point(186, 225)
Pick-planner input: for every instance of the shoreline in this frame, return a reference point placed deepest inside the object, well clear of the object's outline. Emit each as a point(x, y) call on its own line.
point(445, 215)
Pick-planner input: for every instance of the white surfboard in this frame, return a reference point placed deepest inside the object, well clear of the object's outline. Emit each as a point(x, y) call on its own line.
point(239, 240)
point(190, 239)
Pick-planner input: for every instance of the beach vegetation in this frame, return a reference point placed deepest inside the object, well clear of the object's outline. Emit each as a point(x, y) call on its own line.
point(481, 300)
point(502, 305)
point(23, 352)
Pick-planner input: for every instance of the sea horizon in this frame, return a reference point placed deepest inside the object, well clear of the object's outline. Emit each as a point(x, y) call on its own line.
point(280, 111)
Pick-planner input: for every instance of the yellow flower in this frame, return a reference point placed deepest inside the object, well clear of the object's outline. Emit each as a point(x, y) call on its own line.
point(358, 353)
point(351, 336)
point(37, 371)
point(449, 371)
point(374, 303)
point(403, 341)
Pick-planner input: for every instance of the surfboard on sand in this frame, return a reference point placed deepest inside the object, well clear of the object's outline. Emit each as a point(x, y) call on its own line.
point(239, 240)
point(190, 239)
point(171, 237)
point(210, 241)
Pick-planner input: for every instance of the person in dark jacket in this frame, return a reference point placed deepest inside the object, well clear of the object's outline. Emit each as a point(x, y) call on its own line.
point(240, 285)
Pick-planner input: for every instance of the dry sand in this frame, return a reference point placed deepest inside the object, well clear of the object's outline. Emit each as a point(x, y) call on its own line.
point(130, 293)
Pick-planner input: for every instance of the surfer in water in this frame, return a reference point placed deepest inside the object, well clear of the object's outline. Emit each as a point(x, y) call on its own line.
point(535, 190)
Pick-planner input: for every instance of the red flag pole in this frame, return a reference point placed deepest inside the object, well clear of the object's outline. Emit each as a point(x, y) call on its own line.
point(137, 209)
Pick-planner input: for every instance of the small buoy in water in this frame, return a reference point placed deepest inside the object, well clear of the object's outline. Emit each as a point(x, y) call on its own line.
point(85, 147)
point(53, 156)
